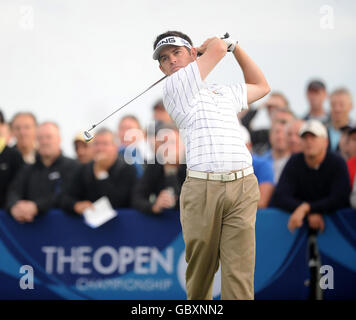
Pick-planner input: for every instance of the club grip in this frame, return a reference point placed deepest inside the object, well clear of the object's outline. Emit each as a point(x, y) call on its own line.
point(225, 36)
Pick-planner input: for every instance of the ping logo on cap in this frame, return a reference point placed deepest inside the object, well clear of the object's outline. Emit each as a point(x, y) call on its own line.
point(166, 41)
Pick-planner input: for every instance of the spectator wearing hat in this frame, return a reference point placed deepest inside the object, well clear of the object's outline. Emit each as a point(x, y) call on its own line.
point(84, 150)
point(314, 182)
point(316, 95)
point(341, 106)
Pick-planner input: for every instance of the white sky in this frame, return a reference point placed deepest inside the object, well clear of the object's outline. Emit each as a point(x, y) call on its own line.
point(75, 61)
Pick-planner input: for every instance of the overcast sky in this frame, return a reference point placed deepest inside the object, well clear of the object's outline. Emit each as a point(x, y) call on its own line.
point(76, 61)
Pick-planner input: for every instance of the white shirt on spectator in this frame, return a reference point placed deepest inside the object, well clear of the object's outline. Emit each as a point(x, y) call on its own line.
point(206, 115)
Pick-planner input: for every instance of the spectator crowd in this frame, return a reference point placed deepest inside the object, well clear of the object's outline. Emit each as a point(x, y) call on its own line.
point(304, 166)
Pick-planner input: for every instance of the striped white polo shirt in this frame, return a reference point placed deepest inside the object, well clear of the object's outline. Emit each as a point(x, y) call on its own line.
point(206, 116)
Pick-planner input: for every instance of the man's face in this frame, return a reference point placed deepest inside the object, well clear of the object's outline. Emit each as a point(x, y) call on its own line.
point(161, 115)
point(173, 58)
point(293, 139)
point(48, 140)
point(278, 137)
point(341, 106)
point(84, 151)
point(24, 130)
point(312, 145)
point(351, 145)
point(129, 131)
point(104, 146)
point(281, 117)
point(273, 103)
point(316, 98)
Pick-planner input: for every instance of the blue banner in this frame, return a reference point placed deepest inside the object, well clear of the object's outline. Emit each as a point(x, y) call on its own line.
point(137, 256)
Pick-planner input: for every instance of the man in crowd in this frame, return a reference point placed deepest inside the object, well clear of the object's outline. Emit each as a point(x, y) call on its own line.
point(279, 153)
point(313, 183)
point(160, 186)
point(132, 142)
point(108, 175)
point(341, 105)
point(260, 137)
point(160, 113)
point(294, 141)
point(316, 95)
point(38, 187)
point(23, 127)
point(83, 149)
point(10, 161)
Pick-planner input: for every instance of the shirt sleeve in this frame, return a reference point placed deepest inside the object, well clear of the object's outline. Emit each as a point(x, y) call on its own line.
point(239, 92)
point(180, 88)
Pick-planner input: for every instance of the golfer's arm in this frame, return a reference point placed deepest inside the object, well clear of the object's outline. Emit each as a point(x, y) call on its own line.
point(256, 83)
point(214, 52)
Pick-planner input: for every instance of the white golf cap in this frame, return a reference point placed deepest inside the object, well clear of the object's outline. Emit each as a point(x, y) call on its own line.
point(314, 127)
point(170, 41)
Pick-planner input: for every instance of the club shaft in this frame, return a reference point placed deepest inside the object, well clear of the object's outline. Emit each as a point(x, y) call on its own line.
point(95, 125)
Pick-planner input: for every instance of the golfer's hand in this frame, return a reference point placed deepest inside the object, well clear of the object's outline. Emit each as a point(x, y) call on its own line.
point(210, 42)
point(316, 221)
point(296, 218)
point(81, 206)
point(165, 200)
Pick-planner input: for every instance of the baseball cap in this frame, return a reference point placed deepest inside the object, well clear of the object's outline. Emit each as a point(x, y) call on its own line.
point(316, 85)
point(79, 137)
point(169, 41)
point(314, 127)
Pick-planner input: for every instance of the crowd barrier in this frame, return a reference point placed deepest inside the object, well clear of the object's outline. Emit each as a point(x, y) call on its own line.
point(137, 256)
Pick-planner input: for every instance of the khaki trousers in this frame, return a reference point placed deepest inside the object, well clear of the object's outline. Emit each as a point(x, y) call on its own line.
point(218, 223)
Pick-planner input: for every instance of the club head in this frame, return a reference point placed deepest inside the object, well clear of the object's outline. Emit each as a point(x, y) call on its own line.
point(87, 136)
point(226, 35)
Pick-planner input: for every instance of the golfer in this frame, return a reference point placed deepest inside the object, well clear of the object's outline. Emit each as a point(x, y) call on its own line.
point(219, 197)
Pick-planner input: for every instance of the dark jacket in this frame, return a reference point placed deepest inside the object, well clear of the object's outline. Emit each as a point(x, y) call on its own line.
point(10, 163)
point(85, 186)
point(41, 184)
point(153, 182)
point(326, 189)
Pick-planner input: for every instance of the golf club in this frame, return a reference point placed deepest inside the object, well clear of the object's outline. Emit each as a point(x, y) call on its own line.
point(88, 136)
